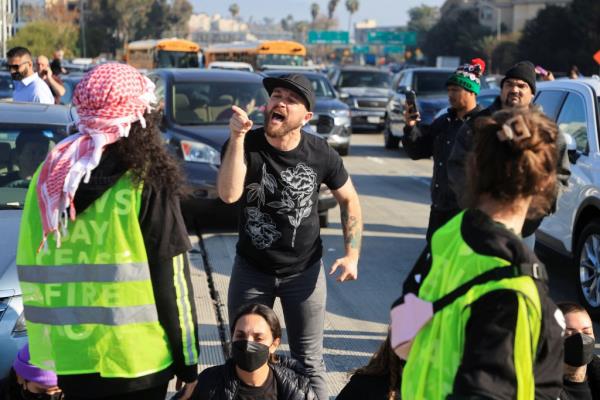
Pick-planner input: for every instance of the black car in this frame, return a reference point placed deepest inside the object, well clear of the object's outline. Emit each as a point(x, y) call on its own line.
point(6, 86)
point(367, 91)
point(331, 117)
point(429, 84)
point(197, 109)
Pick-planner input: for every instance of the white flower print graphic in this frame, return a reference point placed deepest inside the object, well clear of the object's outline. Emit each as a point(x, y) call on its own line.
point(260, 228)
point(299, 185)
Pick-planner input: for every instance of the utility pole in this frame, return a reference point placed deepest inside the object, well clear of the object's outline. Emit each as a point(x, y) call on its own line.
point(82, 27)
point(3, 26)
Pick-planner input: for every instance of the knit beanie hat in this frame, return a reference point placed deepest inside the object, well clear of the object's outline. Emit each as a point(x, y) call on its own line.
point(523, 70)
point(467, 76)
point(30, 372)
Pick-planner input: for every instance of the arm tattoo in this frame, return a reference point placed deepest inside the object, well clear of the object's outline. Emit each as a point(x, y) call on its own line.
point(352, 229)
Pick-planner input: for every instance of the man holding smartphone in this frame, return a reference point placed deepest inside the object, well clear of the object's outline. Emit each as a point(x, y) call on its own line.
point(436, 140)
point(53, 81)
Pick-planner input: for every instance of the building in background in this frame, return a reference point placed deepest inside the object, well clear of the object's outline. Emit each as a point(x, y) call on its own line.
point(510, 14)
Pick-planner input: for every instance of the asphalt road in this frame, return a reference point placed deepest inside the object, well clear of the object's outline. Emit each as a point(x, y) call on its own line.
point(394, 194)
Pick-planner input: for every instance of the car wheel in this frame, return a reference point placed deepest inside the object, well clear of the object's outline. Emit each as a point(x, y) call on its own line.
point(587, 267)
point(324, 219)
point(390, 141)
point(343, 151)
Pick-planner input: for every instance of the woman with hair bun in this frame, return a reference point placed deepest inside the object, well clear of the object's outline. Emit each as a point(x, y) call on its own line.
point(489, 329)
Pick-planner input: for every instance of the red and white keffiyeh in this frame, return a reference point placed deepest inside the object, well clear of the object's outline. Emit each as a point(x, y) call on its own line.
point(108, 99)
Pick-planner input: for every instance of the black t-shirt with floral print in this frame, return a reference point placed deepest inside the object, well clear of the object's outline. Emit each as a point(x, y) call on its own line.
point(279, 221)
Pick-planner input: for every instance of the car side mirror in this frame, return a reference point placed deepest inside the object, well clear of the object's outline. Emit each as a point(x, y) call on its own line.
point(402, 89)
point(572, 152)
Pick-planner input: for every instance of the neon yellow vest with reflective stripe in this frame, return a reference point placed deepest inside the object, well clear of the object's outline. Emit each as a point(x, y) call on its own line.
point(89, 304)
point(437, 351)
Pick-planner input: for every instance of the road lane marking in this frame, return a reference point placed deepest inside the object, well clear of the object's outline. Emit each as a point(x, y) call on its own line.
point(376, 160)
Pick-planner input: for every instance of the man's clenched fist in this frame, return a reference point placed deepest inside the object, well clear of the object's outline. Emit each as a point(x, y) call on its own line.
point(239, 124)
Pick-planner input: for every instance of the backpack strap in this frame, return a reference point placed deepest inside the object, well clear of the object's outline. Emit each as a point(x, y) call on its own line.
point(535, 270)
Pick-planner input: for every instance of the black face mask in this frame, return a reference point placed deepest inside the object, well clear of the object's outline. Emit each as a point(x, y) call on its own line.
point(579, 349)
point(249, 356)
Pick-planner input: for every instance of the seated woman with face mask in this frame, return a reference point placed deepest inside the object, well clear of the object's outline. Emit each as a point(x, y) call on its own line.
point(254, 372)
point(582, 368)
point(28, 382)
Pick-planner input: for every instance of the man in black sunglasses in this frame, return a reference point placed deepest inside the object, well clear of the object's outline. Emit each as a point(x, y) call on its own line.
point(29, 87)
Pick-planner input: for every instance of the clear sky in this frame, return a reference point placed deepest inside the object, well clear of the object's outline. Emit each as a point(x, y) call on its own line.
point(386, 12)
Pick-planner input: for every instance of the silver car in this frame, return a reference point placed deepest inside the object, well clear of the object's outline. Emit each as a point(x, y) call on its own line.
point(27, 132)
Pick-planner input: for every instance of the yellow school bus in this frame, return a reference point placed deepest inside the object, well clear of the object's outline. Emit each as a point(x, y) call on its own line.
point(163, 53)
point(258, 54)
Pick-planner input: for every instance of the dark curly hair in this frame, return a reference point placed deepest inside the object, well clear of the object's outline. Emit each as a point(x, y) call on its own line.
point(507, 169)
point(145, 154)
point(383, 362)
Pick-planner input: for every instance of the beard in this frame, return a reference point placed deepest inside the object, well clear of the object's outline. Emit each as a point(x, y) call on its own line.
point(18, 76)
point(282, 130)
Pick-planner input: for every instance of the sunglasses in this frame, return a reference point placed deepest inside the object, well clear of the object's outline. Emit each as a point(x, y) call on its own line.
point(10, 67)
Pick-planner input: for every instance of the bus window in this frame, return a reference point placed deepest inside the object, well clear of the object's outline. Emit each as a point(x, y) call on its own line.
point(177, 59)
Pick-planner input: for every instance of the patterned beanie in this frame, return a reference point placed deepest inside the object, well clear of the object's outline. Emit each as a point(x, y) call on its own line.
point(467, 76)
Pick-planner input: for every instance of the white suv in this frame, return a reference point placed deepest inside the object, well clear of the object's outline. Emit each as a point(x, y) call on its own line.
point(574, 230)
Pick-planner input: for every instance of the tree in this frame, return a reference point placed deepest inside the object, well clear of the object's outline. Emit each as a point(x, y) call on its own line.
point(505, 55)
point(314, 11)
point(455, 36)
point(179, 16)
point(43, 37)
point(352, 7)
point(422, 18)
point(234, 9)
point(486, 46)
point(331, 6)
point(158, 21)
point(287, 23)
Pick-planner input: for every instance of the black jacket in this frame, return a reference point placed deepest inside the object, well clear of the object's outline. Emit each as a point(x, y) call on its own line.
point(457, 175)
point(165, 237)
point(366, 387)
point(437, 140)
point(487, 369)
point(221, 382)
point(593, 381)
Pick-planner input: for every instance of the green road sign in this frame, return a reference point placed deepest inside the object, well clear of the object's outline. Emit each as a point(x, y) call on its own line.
point(328, 37)
point(394, 49)
point(391, 38)
point(360, 49)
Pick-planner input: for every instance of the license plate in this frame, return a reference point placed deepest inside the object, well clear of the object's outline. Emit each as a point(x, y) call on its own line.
point(373, 120)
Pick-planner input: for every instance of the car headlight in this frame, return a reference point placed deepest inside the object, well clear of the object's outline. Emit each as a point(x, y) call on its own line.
point(341, 117)
point(20, 328)
point(200, 152)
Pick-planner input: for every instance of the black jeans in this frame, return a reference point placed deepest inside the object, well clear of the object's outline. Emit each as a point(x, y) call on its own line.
point(437, 219)
point(155, 393)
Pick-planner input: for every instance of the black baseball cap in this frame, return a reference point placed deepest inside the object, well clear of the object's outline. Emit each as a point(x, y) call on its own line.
point(297, 83)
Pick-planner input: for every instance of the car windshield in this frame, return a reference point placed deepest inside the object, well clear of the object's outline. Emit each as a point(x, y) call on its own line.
point(22, 149)
point(321, 86)
point(203, 103)
point(430, 82)
point(177, 59)
point(365, 79)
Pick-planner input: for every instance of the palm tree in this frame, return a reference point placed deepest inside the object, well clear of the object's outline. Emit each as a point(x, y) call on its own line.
point(331, 7)
point(352, 7)
point(234, 9)
point(314, 11)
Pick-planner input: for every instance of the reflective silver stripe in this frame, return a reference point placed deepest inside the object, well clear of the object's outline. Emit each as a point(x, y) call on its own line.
point(84, 273)
point(185, 308)
point(91, 315)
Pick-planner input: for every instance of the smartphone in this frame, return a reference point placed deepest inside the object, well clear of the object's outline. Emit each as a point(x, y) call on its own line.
point(411, 102)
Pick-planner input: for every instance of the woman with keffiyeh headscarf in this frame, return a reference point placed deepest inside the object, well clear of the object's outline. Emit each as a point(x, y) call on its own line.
point(102, 250)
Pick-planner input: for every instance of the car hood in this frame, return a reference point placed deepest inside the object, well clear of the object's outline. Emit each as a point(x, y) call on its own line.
point(325, 104)
point(213, 135)
point(9, 222)
point(366, 91)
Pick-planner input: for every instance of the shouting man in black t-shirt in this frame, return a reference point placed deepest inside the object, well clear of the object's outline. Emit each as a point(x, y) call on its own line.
point(276, 172)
